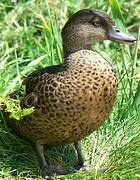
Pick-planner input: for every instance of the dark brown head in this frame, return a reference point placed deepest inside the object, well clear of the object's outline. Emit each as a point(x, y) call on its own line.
point(87, 25)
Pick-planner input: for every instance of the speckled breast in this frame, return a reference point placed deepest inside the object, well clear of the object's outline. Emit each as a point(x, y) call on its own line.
point(73, 103)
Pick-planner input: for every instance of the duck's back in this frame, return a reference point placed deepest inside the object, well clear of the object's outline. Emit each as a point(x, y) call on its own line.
point(71, 100)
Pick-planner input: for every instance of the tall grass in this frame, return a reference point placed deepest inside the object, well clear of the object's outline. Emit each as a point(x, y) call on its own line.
point(30, 39)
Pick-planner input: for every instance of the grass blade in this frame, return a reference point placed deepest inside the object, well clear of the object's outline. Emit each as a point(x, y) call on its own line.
point(116, 11)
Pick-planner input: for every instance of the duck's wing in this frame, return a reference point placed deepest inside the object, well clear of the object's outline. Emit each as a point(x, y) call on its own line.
point(31, 81)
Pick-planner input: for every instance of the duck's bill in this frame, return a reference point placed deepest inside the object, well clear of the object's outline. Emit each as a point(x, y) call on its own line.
point(119, 36)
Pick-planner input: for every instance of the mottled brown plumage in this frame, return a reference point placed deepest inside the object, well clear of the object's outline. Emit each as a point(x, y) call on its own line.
point(73, 99)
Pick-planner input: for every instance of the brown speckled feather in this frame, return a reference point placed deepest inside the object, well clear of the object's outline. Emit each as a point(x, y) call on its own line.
point(70, 104)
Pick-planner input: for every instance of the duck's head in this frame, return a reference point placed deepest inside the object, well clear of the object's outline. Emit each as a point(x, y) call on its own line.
point(88, 25)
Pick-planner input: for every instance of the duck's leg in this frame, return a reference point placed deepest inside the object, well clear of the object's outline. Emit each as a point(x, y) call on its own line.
point(46, 169)
point(79, 153)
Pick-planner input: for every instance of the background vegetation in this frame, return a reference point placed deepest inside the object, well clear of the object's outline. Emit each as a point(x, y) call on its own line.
point(30, 39)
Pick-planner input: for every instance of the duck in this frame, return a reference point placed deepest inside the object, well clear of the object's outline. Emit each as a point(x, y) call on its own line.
point(73, 99)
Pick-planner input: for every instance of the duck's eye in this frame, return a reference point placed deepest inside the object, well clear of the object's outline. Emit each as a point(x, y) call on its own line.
point(96, 23)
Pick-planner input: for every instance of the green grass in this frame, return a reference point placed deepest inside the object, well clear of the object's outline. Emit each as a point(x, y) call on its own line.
point(30, 39)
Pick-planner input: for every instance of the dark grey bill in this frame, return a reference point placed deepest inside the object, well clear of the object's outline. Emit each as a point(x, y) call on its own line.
point(119, 36)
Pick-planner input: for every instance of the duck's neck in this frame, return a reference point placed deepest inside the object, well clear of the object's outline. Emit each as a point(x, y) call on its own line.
point(73, 40)
point(72, 47)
